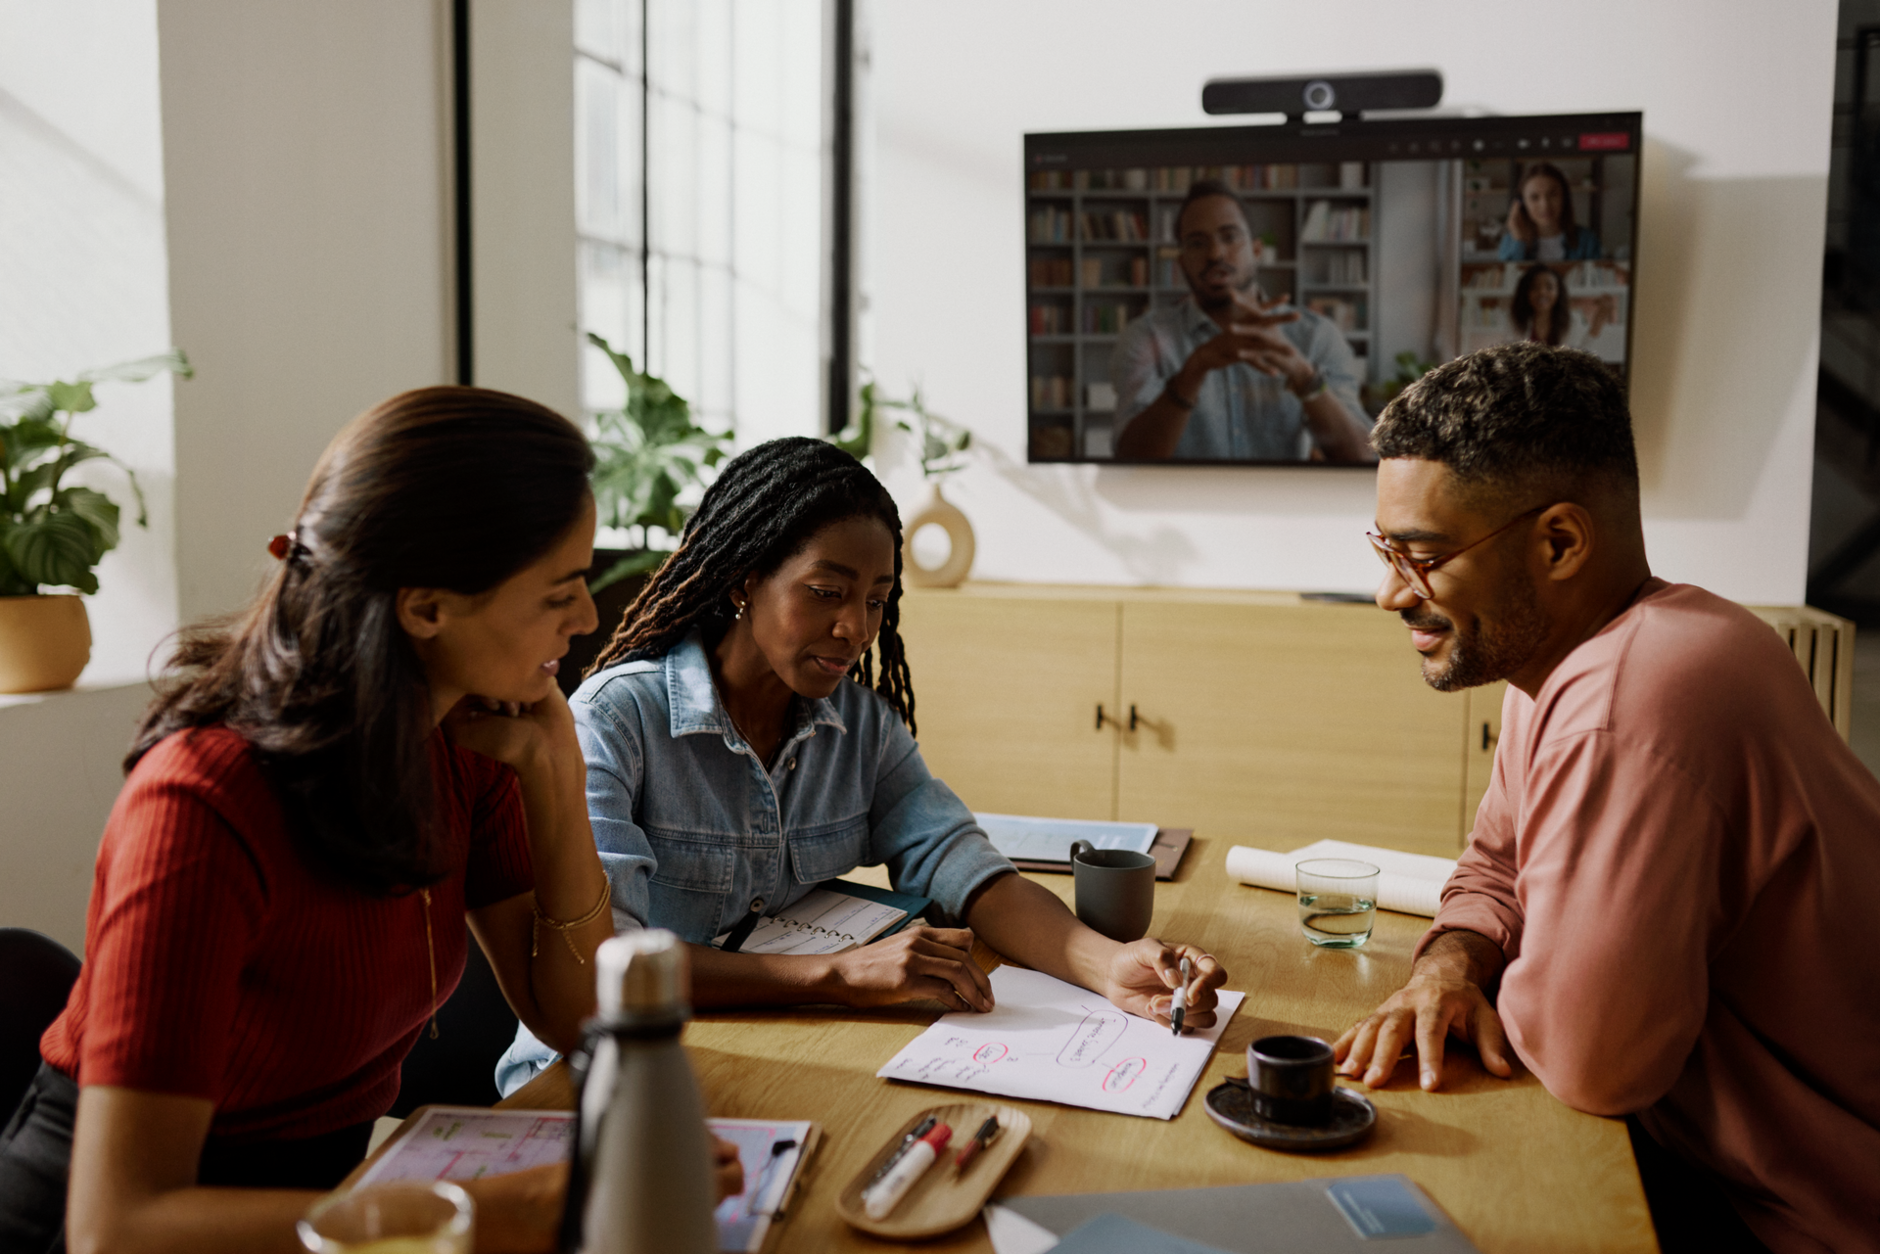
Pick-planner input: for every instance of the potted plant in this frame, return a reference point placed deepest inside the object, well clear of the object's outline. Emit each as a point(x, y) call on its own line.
point(53, 533)
point(648, 453)
point(943, 445)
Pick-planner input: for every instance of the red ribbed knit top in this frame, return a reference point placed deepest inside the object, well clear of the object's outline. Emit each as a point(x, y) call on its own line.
point(220, 964)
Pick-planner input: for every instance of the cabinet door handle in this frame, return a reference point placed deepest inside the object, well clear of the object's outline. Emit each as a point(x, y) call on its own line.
point(1132, 717)
point(1103, 718)
point(1488, 738)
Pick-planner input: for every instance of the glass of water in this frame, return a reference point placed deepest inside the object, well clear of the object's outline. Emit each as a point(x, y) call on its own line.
point(393, 1217)
point(1337, 901)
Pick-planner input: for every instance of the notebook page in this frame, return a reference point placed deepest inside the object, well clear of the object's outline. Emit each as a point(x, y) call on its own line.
point(823, 922)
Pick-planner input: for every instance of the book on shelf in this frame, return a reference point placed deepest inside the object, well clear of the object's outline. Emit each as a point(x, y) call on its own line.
point(1050, 319)
point(1119, 226)
point(1342, 313)
point(1050, 271)
point(1343, 266)
point(1051, 392)
point(1048, 224)
point(1329, 223)
point(1105, 318)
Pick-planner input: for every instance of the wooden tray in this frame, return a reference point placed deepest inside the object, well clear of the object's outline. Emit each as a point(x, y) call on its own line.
point(943, 1199)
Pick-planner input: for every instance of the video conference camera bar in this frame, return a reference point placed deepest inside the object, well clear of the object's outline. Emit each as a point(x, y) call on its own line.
point(1349, 94)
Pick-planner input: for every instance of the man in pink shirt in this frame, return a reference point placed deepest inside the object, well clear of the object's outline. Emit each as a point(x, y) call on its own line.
point(1666, 908)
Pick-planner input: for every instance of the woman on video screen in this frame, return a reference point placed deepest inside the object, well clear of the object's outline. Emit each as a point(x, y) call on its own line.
point(1542, 310)
point(1540, 220)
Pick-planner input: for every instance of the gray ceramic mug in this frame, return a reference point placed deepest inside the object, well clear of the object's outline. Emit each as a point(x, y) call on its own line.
point(1115, 890)
point(1291, 1079)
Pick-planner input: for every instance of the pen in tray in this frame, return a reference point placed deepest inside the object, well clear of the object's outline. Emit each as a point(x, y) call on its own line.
point(918, 1131)
point(982, 1138)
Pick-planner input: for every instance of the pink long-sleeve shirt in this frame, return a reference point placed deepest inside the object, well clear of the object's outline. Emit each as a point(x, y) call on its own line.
point(1680, 859)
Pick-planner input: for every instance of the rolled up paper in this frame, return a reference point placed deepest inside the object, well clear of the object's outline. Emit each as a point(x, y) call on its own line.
point(1408, 883)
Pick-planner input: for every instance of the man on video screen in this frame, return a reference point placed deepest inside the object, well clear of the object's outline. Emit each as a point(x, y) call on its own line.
point(1229, 373)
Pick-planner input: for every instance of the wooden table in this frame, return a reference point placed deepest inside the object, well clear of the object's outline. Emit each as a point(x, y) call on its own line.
point(1516, 1169)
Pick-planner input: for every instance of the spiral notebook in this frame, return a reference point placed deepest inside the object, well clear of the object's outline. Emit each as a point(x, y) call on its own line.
point(832, 919)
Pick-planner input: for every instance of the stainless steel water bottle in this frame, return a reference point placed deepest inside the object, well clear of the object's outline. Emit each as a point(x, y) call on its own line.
point(645, 1169)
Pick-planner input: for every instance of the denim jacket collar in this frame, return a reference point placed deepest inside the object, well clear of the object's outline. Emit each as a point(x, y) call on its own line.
point(693, 698)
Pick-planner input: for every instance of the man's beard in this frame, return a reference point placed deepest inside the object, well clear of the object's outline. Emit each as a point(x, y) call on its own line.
point(1486, 652)
point(1245, 284)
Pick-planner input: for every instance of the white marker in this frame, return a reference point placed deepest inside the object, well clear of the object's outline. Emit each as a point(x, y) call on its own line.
point(1178, 1004)
point(883, 1196)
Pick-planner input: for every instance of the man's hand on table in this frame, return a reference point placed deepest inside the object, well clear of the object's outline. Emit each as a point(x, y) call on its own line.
point(1144, 974)
point(1443, 997)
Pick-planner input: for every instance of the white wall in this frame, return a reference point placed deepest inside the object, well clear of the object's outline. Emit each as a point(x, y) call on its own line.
point(83, 284)
point(1736, 100)
point(305, 154)
point(522, 226)
point(82, 274)
point(59, 776)
point(303, 149)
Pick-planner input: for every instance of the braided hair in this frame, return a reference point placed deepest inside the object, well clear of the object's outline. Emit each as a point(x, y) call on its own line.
point(765, 505)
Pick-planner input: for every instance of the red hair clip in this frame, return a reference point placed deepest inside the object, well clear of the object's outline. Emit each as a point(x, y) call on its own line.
point(281, 546)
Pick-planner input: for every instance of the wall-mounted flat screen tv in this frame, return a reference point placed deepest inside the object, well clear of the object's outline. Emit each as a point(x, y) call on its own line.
point(1257, 294)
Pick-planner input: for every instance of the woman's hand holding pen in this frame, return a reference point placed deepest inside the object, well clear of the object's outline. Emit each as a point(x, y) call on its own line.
point(914, 964)
point(1145, 974)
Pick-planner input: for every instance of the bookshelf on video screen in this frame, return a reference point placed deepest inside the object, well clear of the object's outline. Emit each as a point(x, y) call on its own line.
point(1352, 255)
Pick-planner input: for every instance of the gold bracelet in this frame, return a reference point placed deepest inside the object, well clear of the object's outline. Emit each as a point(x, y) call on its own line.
point(535, 930)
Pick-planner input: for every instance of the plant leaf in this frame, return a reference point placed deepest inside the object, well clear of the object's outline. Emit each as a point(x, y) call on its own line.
point(25, 400)
point(631, 564)
point(143, 368)
point(55, 548)
point(72, 397)
point(27, 437)
point(95, 508)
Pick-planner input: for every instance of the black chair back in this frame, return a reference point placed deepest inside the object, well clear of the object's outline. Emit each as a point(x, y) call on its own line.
point(36, 977)
point(473, 1029)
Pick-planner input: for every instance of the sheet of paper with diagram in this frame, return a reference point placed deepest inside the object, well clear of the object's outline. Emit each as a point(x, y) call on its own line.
point(467, 1143)
point(1055, 1042)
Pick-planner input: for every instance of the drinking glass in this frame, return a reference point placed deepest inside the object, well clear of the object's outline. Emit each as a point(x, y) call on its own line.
point(1337, 901)
point(394, 1217)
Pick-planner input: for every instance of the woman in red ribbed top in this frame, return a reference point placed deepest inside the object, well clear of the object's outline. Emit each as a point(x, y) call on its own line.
point(329, 788)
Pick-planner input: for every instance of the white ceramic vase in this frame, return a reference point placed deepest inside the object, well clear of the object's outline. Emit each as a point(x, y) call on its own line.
point(951, 573)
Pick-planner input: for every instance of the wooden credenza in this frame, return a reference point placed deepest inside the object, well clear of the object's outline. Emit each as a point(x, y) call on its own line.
point(1258, 717)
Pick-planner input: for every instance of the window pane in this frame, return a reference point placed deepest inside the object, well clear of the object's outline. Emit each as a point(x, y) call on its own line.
point(728, 308)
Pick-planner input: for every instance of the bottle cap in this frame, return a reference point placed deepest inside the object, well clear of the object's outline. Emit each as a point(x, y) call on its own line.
point(642, 973)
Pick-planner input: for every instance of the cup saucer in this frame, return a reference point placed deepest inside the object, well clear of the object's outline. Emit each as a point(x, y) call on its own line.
point(1230, 1104)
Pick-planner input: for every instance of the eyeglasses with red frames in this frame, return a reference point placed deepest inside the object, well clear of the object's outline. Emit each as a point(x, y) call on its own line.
point(1415, 571)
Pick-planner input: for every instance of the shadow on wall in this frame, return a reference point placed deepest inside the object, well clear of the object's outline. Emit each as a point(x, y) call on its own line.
point(1722, 350)
point(1071, 492)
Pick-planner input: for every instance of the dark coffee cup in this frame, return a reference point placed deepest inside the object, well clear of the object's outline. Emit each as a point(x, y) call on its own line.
point(1115, 890)
point(1291, 1079)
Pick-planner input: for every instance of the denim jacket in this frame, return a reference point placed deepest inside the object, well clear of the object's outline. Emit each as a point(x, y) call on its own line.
point(692, 828)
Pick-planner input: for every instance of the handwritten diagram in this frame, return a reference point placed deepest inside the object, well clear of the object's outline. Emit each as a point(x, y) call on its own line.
point(1056, 1042)
point(467, 1144)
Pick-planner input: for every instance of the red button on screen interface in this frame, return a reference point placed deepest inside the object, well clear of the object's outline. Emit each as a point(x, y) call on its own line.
point(1605, 141)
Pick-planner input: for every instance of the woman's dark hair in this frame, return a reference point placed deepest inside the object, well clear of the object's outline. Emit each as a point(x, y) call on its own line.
point(443, 487)
point(1522, 305)
point(765, 505)
point(1569, 229)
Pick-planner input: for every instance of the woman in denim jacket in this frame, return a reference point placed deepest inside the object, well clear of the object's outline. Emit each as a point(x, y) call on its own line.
point(744, 744)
